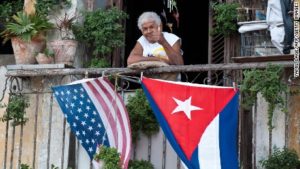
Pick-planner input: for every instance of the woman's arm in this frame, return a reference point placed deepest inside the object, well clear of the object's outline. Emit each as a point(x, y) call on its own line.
point(173, 52)
point(136, 55)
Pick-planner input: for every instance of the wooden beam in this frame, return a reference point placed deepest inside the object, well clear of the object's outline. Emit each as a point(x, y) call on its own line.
point(182, 68)
point(245, 59)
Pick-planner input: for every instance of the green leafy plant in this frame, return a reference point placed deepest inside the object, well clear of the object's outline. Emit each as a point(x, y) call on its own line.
point(225, 15)
point(140, 164)
point(15, 110)
point(267, 82)
point(141, 116)
point(49, 52)
point(101, 31)
point(25, 166)
point(99, 63)
point(8, 9)
point(110, 157)
point(25, 26)
point(281, 159)
point(44, 7)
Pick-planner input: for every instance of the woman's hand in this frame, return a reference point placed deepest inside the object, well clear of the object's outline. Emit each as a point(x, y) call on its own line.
point(158, 35)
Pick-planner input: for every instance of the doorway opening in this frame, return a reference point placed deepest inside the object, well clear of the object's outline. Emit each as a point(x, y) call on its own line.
point(194, 39)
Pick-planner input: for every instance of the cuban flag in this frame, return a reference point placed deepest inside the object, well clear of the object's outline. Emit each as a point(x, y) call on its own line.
point(200, 121)
point(96, 115)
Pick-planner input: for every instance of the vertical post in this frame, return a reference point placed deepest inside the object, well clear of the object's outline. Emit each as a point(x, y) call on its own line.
point(29, 7)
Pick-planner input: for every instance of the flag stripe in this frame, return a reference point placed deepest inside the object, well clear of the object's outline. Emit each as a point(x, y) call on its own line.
point(228, 137)
point(124, 118)
point(122, 140)
point(208, 148)
point(108, 122)
point(109, 104)
point(164, 125)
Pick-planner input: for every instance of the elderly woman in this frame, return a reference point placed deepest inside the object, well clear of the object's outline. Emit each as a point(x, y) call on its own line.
point(155, 45)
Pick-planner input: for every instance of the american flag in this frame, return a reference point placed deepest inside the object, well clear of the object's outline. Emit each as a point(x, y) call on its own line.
point(96, 115)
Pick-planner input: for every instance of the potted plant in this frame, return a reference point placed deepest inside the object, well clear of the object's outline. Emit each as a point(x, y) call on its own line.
point(283, 159)
point(65, 47)
point(101, 32)
point(45, 57)
point(107, 158)
point(27, 35)
point(140, 164)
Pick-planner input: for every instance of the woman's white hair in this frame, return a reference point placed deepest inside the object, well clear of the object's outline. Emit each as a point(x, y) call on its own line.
point(148, 16)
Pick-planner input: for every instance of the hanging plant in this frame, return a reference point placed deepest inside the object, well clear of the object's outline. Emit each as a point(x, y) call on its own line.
point(101, 31)
point(225, 16)
point(267, 82)
point(109, 156)
point(141, 116)
point(15, 110)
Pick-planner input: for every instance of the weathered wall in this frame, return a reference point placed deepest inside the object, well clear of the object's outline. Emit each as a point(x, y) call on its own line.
point(44, 139)
point(293, 120)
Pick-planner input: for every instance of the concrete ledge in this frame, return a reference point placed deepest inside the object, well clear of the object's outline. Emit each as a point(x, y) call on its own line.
point(36, 66)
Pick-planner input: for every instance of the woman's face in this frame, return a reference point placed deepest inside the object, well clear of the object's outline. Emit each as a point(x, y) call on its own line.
point(149, 30)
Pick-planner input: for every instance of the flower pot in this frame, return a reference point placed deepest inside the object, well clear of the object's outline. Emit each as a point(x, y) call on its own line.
point(64, 51)
point(42, 58)
point(25, 52)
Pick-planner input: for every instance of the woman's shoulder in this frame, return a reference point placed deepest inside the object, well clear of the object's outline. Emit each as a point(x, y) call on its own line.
point(170, 35)
point(171, 38)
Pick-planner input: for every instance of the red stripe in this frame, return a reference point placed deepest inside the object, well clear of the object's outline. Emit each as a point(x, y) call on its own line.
point(105, 109)
point(128, 122)
point(127, 119)
point(124, 140)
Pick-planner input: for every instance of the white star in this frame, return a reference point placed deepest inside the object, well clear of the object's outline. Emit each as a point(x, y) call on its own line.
point(87, 108)
point(185, 106)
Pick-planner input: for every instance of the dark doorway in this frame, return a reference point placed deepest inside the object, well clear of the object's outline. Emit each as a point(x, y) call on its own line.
point(4, 48)
point(194, 38)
